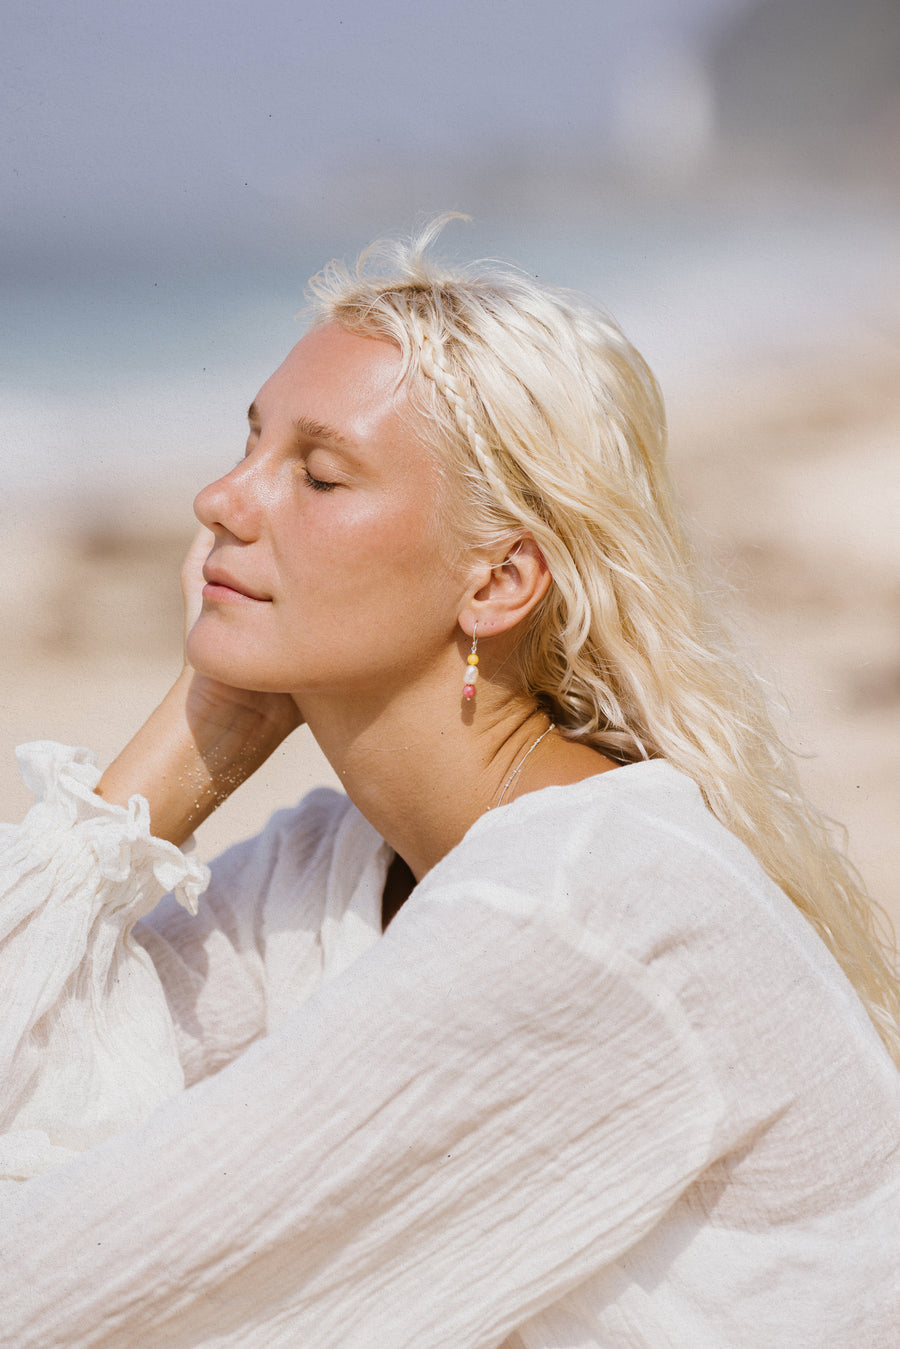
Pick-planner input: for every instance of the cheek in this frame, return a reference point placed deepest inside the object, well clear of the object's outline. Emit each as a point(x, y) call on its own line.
point(357, 550)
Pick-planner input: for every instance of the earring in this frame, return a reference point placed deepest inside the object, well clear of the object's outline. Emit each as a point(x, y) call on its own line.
point(471, 666)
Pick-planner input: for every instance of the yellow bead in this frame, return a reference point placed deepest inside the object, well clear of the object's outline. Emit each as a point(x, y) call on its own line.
point(472, 659)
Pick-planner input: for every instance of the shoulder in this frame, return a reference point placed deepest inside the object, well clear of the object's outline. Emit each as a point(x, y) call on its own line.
point(600, 841)
point(632, 859)
point(634, 868)
point(635, 861)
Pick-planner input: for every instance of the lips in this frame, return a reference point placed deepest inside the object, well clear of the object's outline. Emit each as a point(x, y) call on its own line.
point(219, 582)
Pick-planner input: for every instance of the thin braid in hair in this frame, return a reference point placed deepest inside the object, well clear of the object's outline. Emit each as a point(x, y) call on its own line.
point(433, 366)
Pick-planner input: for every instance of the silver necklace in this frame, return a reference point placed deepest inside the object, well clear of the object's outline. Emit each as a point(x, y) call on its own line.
point(519, 766)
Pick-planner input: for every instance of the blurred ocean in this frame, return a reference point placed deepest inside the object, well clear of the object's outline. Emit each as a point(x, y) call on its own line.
point(137, 383)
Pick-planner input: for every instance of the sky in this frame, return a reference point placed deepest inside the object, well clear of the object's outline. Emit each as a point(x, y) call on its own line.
point(139, 134)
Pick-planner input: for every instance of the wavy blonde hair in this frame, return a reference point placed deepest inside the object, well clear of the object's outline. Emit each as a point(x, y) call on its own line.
point(549, 422)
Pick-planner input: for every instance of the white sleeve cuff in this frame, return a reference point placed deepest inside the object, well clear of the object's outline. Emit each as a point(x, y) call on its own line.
point(62, 780)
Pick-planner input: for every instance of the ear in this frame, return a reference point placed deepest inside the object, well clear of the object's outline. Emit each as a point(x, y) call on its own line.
point(508, 592)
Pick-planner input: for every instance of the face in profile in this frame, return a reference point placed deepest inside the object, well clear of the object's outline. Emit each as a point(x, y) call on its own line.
point(329, 572)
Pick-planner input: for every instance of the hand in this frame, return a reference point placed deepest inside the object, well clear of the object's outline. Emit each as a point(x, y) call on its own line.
point(203, 740)
point(221, 705)
point(192, 576)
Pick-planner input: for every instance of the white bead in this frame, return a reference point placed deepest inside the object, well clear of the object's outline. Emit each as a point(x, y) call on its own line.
point(471, 674)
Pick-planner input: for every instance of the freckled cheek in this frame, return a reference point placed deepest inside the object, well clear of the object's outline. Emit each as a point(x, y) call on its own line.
point(377, 541)
point(356, 555)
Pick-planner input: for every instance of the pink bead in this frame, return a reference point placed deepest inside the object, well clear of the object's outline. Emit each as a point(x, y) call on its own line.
point(469, 691)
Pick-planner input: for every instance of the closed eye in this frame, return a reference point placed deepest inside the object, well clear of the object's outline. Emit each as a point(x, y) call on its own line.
point(317, 484)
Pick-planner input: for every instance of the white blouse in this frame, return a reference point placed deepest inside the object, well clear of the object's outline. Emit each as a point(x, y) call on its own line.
point(599, 1084)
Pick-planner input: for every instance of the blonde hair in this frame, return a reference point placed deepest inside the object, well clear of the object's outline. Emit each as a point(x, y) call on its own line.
point(552, 424)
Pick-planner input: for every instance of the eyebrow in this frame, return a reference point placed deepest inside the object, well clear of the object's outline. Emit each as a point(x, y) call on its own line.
point(309, 428)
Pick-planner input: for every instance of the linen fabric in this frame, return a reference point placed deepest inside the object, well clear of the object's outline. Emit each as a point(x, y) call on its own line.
point(599, 1084)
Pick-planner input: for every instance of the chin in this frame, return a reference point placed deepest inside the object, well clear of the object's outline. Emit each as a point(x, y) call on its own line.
point(229, 662)
point(216, 659)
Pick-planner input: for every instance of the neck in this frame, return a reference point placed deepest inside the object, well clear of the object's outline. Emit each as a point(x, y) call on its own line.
point(422, 768)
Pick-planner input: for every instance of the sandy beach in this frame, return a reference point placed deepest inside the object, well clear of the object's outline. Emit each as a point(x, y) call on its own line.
point(792, 476)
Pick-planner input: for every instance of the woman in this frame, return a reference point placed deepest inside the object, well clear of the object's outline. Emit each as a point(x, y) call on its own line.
point(571, 1029)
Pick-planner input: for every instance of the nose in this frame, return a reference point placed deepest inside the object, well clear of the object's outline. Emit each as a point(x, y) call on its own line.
point(230, 505)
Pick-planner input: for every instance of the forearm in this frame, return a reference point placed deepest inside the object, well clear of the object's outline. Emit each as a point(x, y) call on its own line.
point(86, 1042)
point(324, 1189)
point(189, 756)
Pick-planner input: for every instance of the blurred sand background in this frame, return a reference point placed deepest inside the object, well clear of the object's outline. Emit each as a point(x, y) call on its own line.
point(759, 142)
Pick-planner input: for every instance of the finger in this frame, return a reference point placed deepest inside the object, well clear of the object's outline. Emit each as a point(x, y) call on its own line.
point(192, 576)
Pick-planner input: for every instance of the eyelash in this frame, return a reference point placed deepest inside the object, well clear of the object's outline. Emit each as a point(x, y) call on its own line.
point(317, 484)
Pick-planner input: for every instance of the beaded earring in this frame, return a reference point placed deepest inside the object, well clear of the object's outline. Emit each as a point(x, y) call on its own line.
point(471, 667)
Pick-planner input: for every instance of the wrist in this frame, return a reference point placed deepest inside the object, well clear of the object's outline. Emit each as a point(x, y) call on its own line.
point(194, 750)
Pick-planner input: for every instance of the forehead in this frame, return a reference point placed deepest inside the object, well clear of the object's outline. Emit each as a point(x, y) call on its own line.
point(349, 383)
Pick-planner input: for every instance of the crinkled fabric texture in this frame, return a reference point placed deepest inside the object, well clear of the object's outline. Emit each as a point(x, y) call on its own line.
point(598, 1084)
point(86, 1046)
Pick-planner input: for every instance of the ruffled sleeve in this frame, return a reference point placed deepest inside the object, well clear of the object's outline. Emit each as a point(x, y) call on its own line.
point(86, 1041)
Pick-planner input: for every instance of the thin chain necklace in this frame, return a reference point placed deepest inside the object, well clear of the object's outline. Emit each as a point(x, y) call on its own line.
point(519, 766)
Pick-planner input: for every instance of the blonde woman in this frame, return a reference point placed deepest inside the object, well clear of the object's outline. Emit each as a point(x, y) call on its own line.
point(565, 1026)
